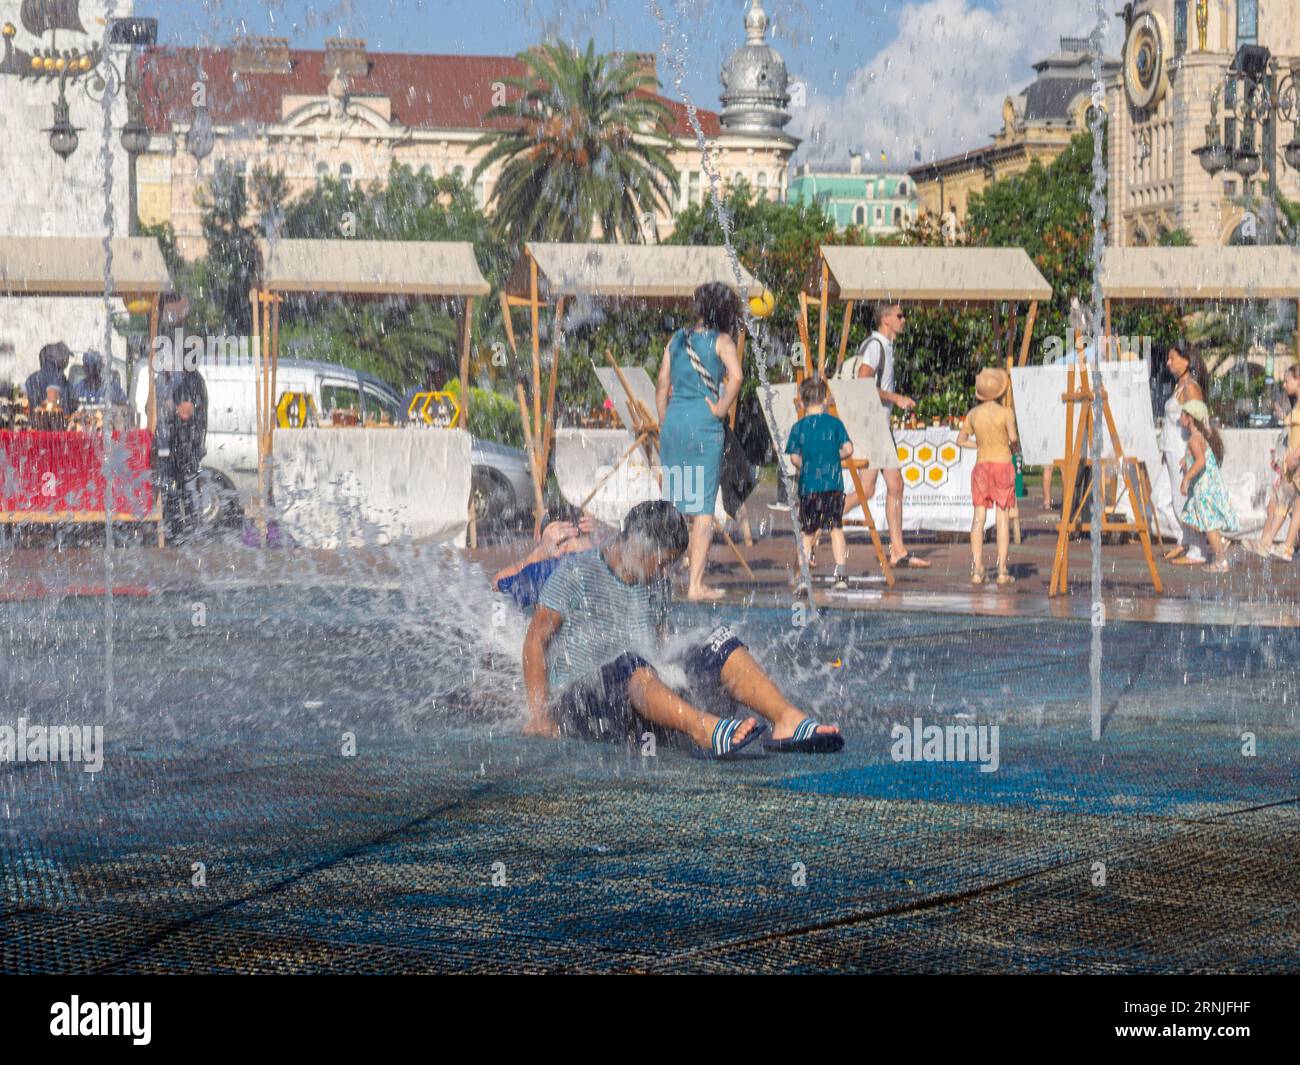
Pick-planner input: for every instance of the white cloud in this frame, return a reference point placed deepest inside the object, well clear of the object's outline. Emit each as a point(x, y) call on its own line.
point(940, 84)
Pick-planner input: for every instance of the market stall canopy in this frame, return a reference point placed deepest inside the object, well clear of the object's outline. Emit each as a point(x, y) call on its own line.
point(372, 268)
point(625, 271)
point(929, 275)
point(74, 266)
point(1234, 273)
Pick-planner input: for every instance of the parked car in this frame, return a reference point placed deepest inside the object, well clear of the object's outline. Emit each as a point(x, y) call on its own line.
point(501, 486)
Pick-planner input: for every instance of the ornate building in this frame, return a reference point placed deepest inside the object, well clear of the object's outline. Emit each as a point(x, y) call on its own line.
point(881, 202)
point(1037, 123)
point(351, 114)
point(1176, 58)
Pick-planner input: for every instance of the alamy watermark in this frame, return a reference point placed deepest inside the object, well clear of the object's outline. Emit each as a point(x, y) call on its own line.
point(53, 743)
point(920, 742)
point(630, 484)
point(1058, 350)
point(188, 352)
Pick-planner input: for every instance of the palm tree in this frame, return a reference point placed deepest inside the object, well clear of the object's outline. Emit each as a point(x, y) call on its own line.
point(586, 145)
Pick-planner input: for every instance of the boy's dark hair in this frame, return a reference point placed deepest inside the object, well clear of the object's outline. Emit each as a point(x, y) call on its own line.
point(813, 391)
point(717, 307)
point(656, 525)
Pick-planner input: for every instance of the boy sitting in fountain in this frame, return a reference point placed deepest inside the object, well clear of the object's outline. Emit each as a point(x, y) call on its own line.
point(596, 631)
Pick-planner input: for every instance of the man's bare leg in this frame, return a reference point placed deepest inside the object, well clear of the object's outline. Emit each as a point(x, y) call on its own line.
point(894, 514)
point(746, 682)
point(660, 705)
point(851, 499)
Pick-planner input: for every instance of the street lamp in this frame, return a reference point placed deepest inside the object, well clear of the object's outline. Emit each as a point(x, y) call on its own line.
point(63, 134)
point(1266, 99)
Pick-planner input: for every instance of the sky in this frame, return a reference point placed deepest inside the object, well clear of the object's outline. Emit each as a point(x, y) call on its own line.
point(923, 77)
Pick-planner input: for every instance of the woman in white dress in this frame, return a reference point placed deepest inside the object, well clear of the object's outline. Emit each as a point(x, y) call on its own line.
point(1188, 372)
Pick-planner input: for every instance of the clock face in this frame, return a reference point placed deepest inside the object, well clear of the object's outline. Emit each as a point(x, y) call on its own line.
point(1145, 77)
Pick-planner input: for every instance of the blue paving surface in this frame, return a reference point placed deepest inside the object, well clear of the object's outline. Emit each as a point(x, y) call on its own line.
point(224, 749)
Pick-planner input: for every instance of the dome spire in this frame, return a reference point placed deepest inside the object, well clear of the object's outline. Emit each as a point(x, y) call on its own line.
point(754, 81)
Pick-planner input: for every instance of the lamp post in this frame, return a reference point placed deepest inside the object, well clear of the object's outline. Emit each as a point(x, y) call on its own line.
point(1266, 101)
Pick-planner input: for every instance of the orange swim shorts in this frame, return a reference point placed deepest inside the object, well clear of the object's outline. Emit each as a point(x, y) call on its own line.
point(993, 484)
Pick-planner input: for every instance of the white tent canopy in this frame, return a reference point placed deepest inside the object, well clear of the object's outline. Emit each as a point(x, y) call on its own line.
point(374, 268)
point(929, 275)
point(75, 266)
point(626, 271)
point(1234, 273)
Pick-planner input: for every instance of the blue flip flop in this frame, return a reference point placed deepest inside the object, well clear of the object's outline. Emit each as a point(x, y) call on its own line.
point(722, 746)
point(807, 740)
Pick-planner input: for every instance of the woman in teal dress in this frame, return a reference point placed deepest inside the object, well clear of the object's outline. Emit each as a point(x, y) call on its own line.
point(699, 380)
point(1208, 507)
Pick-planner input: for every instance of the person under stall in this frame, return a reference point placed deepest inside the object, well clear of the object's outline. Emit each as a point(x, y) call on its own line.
point(54, 359)
point(95, 389)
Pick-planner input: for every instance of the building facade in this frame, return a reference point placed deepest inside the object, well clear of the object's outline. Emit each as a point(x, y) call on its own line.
point(1038, 123)
point(1177, 55)
point(350, 114)
point(880, 202)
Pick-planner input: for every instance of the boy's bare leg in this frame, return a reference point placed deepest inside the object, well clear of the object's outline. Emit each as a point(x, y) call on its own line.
point(977, 539)
point(1002, 519)
point(660, 705)
point(1293, 533)
point(839, 547)
point(746, 682)
point(809, 543)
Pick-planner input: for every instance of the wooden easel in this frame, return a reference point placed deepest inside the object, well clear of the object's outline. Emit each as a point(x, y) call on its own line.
point(646, 430)
point(1078, 441)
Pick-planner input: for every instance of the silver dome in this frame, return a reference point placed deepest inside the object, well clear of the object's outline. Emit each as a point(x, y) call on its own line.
point(754, 81)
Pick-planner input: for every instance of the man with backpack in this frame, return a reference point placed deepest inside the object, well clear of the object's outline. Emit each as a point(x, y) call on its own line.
point(875, 359)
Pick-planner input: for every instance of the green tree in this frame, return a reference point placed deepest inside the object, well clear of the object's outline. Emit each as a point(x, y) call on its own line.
point(777, 243)
point(221, 283)
point(395, 340)
point(585, 143)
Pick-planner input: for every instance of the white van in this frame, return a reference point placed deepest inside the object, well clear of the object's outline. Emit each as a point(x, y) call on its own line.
point(502, 485)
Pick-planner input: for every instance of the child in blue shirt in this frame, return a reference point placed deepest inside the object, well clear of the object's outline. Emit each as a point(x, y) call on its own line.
point(818, 444)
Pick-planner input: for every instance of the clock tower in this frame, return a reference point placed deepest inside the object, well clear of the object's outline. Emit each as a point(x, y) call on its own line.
point(1176, 55)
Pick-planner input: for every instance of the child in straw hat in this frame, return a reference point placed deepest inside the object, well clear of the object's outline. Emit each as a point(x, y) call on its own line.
point(990, 428)
point(1208, 507)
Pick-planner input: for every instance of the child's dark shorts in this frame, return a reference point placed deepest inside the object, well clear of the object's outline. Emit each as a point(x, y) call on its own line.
point(821, 510)
point(598, 706)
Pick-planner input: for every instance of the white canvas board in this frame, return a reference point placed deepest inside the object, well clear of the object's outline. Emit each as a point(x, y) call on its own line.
point(1040, 411)
point(858, 405)
point(643, 391)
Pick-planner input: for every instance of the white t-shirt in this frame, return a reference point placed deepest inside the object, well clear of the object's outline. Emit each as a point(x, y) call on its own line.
point(877, 351)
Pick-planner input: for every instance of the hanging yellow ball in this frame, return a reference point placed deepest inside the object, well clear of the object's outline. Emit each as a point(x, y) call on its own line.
point(763, 304)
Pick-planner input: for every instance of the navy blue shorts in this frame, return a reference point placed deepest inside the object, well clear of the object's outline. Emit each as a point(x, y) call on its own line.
point(598, 706)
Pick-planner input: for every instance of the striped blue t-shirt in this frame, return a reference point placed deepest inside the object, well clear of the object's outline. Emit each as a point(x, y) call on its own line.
point(604, 617)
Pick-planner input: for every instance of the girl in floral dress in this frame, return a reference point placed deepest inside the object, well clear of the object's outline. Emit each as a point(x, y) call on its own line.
point(1208, 507)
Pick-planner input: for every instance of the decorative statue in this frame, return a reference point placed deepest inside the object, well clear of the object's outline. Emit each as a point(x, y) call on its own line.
point(1202, 21)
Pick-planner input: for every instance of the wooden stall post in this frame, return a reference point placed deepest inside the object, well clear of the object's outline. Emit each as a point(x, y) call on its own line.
point(466, 327)
point(1030, 322)
point(822, 311)
point(844, 333)
point(259, 342)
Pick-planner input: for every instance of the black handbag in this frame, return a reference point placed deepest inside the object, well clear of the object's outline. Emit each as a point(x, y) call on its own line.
point(737, 477)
